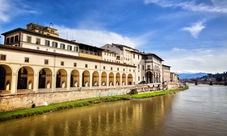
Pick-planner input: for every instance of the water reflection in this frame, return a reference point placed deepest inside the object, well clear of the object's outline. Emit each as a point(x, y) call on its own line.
point(201, 110)
point(113, 118)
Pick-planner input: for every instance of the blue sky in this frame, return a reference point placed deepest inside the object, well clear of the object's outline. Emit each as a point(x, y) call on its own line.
point(189, 35)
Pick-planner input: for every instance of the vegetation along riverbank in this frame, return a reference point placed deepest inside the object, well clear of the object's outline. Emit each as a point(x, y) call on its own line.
point(80, 103)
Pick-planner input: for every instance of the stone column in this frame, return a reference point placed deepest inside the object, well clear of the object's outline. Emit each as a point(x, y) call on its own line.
point(126, 80)
point(153, 78)
point(36, 83)
point(14, 83)
point(80, 80)
point(68, 81)
point(100, 80)
point(107, 80)
point(120, 84)
point(53, 86)
point(91, 79)
point(114, 82)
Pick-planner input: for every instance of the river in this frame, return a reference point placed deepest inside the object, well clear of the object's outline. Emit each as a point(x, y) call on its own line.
point(199, 111)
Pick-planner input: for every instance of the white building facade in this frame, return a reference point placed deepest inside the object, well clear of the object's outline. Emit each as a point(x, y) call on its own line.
point(37, 60)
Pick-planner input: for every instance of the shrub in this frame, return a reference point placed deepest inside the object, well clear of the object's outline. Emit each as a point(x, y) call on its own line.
point(133, 91)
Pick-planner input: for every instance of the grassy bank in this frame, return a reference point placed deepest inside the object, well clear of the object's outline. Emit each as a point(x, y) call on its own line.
point(79, 103)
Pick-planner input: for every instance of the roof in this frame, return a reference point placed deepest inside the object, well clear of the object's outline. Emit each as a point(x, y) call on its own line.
point(58, 54)
point(41, 26)
point(121, 46)
point(152, 54)
point(39, 34)
point(165, 65)
point(50, 37)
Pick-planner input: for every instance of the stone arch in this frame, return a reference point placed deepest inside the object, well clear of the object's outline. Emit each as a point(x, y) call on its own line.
point(149, 77)
point(45, 78)
point(104, 79)
point(6, 77)
point(118, 79)
point(130, 79)
point(95, 78)
point(61, 78)
point(86, 78)
point(25, 78)
point(111, 79)
point(124, 79)
point(75, 78)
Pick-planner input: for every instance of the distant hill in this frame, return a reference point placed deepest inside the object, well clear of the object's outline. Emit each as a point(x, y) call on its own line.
point(190, 75)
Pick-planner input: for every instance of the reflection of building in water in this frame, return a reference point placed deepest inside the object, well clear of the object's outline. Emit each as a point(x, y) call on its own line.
point(118, 118)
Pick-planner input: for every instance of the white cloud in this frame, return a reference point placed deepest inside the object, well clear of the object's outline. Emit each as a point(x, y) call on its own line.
point(11, 8)
point(195, 60)
point(98, 37)
point(195, 29)
point(219, 6)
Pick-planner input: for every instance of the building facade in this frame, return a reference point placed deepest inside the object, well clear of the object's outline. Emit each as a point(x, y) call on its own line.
point(174, 77)
point(36, 59)
point(166, 73)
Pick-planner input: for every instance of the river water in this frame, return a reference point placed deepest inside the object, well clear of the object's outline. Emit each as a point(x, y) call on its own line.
point(199, 111)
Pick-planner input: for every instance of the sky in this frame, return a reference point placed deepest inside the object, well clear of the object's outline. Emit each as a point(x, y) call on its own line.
point(189, 35)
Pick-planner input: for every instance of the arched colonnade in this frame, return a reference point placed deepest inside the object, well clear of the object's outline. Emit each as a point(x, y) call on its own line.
point(51, 79)
point(153, 77)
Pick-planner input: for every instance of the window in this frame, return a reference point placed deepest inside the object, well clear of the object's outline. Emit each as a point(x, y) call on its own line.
point(86, 66)
point(75, 64)
point(62, 63)
point(138, 66)
point(123, 69)
point(104, 67)
point(16, 38)
point(138, 78)
point(133, 56)
point(148, 67)
point(62, 46)
point(129, 70)
point(38, 41)
point(7, 41)
point(26, 59)
point(12, 39)
point(69, 47)
point(46, 61)
point(138, 56)
point(2, 57)
point(95, 66)
point(111, 68)
point(54, 44)
point(76, 49)
point(29, 39)
point(118, 69)
point(47, 43)
point(143, 67)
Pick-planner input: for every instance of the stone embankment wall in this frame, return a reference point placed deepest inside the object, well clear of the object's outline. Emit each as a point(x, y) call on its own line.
point(173, 85)
point(26, 99)
point(23, 101)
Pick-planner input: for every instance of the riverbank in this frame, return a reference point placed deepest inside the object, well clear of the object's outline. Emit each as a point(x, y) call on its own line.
point(80, 103)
